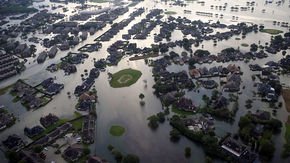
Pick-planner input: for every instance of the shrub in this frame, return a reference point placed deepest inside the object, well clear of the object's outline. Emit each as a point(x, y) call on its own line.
point(187, 152)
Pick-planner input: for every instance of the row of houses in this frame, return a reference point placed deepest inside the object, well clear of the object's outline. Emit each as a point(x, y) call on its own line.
point(170, 81)
point(9, 65)
point(115, 28)
point(88, 129)
point(50, 87)
point(6, 119)
point(214, 71)
point(52, 136)
point(145, 26)
point(29, 96)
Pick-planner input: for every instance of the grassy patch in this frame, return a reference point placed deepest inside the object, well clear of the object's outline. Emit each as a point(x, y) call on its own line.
point(181, 112)
point(16, 99)
point(244, 44)
point(77, 124)
point(286, 97)
point(170, 12)
point(77, 114)
point(125, 78)
point(116, 130)
point(272, 31)
point(5, 89)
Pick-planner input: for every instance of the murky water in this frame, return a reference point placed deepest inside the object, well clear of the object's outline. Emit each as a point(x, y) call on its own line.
point(121, 105)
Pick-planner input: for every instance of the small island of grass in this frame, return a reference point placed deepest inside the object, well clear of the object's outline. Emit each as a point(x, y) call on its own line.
point(117, 130)
point(170, 12)
point(125, 78)
point(181, 112)
point(244, 45)
point(272, 31)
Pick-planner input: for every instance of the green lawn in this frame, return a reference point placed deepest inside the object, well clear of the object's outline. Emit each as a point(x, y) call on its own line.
point(77, 124)
point(244, 44)
point(125, 78)
point(181, 112)
point(5, 89)
point(170, 12)
point(117, 130)
point(77, 114)
point(16, 99)
point(272, 31)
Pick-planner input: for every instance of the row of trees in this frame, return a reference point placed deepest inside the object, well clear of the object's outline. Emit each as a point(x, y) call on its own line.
point(263, 145)
point(119, 157)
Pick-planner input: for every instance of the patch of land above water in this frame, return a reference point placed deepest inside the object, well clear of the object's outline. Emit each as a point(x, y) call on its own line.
point(125, 78)
point(272, 31)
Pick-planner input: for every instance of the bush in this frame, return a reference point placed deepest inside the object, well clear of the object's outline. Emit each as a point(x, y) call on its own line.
point(208, 159)
point(187, 152)
point(130, 158)
point(201, 53)
point(174, 135)
point(12, 156)
point(267, 148)
point(57, 152)
point(110, 147)
point(86, 151)
point(117, 155)
point(153, 122)
point(141, 96)
point(37, 148)
point(161, 117)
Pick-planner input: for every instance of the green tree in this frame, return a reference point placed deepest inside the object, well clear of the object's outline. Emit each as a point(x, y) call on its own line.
point(174, 135)
point(12, 156)
point(208, 159)
point(141, 96)
point(110, 147)
point(37, 148)
point(161, 117)
point(175, 118)
point(275, 124)
point(187, 152)
point(86, 151)
point(209, 140)
point(117, 155)
point(215, 94)
point(267, 148)
point(130, 158)
point(201, 53)
point(244, 121)
point(153, 122)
